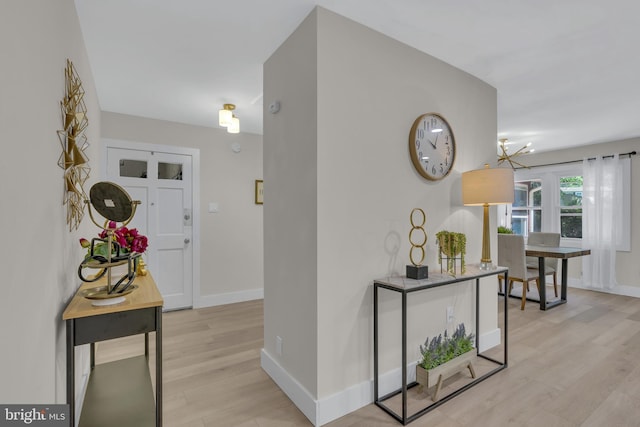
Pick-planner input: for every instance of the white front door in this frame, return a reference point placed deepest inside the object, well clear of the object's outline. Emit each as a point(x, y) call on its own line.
point(163, 183)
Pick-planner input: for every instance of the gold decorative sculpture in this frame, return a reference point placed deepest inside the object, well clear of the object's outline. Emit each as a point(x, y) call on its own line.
point(73, 140)
point(417, 270)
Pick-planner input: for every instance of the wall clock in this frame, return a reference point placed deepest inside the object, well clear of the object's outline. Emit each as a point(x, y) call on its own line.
point(432, 146)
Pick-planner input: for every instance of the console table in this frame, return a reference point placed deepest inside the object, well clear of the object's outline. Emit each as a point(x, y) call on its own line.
point(404, 287)
point(119, 393)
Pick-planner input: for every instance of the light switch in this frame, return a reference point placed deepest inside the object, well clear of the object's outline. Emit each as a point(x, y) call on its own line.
point(214, 207)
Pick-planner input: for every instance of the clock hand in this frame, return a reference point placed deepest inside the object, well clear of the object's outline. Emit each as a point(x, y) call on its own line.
point(432, 144)
point(436, 141)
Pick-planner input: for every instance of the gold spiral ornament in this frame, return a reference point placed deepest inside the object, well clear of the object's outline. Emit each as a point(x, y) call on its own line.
point(416, 229)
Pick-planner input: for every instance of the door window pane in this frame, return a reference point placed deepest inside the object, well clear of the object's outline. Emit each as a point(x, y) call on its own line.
point(133, 168)
point(170, 171)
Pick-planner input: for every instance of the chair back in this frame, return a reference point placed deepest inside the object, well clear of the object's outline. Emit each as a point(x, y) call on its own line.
point(511, 254)
point(544, 239)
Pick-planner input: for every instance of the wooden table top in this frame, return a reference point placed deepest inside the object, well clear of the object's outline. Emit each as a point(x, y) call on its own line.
point(555, 252)
point(145, 296)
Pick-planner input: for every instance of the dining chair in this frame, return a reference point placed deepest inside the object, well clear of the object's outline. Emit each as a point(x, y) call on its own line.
point(511, 254)
point(550, 264)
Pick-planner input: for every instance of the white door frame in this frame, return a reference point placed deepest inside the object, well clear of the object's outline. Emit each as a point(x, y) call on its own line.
point(195, 188)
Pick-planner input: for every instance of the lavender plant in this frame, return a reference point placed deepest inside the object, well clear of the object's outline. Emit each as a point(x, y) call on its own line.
point(443, 348)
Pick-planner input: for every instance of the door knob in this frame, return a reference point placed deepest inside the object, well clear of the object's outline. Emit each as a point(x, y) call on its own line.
point(186, 240)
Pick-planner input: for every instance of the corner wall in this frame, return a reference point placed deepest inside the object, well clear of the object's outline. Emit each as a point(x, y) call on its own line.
point(368, 89)
point(39, 255)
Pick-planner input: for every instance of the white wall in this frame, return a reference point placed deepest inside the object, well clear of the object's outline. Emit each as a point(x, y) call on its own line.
point(39, 256)
point(231, 240)
point(627, 267)
point(352, 113)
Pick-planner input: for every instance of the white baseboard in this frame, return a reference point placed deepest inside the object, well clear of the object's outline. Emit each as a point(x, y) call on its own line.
point(327, 409)
point(299, 395)
point(629, 291)
point(490, 339)
point(228, 298)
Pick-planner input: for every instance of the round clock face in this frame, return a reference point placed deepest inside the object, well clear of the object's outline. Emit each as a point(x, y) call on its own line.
point(432, 146)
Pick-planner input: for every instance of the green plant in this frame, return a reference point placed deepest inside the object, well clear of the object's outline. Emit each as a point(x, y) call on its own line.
point(504, 230)
point(452, 244)
point(441, 349)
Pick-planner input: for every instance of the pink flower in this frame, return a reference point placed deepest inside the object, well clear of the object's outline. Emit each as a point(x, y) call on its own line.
point(84, 242)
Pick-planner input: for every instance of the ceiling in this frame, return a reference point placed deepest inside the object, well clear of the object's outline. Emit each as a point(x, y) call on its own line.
point(567, 72)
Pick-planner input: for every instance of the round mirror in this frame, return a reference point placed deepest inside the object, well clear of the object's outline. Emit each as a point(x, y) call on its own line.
point(112, 201)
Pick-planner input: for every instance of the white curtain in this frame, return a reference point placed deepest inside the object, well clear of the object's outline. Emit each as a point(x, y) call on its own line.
point(601, 206)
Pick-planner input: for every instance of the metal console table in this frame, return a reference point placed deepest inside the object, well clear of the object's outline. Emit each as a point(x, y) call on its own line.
point(119, 393)
point(405, 286)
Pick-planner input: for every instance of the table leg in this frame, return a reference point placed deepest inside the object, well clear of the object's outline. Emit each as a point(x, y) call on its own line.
point(158, 366)
point(404, 357)
point(563, 285)
point(375, 343)
point(543, 284)
point(71, 369)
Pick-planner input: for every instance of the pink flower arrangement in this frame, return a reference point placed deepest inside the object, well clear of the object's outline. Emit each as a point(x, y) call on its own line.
point(130, 240)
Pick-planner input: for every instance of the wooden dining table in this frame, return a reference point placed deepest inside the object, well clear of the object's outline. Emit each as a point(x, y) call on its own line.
point(563, 253)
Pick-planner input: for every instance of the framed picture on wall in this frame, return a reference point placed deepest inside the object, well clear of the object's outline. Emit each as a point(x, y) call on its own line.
point(259, 192)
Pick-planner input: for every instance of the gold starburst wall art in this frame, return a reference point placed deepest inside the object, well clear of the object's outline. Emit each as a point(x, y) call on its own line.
point(74, 142)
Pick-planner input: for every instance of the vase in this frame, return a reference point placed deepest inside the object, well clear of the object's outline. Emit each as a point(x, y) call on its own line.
point(435, 376)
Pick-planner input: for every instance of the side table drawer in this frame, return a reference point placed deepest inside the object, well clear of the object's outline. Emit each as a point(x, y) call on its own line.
point(114, 325)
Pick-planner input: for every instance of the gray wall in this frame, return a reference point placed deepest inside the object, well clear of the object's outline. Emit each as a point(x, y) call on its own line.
point(39, 255)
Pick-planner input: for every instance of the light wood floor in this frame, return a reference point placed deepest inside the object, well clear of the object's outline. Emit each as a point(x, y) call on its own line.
point(575, 365)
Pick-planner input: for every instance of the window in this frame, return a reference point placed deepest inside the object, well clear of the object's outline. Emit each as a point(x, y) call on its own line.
point(571, 207)
point(549, 198)
point(526, 213)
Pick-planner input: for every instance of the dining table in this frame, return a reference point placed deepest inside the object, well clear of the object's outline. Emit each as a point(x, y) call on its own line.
point(564, 253)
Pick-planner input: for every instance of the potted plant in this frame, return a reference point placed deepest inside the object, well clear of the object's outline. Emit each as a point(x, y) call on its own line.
point(504, 230)
point(453, 245)
point(443, 357)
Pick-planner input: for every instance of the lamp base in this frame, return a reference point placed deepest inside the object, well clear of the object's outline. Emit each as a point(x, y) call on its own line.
point(487, 265)
point(418, 272)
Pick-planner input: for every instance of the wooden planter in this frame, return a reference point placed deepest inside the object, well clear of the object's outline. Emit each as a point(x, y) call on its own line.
point(435, 376)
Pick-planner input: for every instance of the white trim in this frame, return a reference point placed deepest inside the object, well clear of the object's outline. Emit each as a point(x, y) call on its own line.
point(291, 387)
point(490, 339)
point(195, 197)
point(229, 298)
point(624, 290)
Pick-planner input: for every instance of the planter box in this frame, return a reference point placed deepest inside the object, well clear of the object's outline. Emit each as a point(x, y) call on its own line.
point(435, 376)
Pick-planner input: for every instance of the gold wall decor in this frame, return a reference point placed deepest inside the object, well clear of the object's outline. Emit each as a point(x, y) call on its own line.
point(416, 270)
point(73, 160)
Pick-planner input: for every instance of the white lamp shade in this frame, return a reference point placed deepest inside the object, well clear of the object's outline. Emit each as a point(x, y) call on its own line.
point(224, 117)
point(234, 126)
point(487, 186)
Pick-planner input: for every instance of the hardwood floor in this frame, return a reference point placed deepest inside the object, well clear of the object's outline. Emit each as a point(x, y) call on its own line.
point(575, 365)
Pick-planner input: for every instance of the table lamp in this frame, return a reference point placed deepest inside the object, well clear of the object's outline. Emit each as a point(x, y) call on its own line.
point(484, 187)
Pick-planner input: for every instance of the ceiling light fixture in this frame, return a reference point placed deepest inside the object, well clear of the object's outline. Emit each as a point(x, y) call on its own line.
point(234, 126)
point(227, 119)
point(509, 157)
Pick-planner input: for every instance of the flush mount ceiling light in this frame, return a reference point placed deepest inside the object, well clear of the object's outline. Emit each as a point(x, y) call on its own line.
point(509, 157)
point(234, 126)
point(227, 119)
